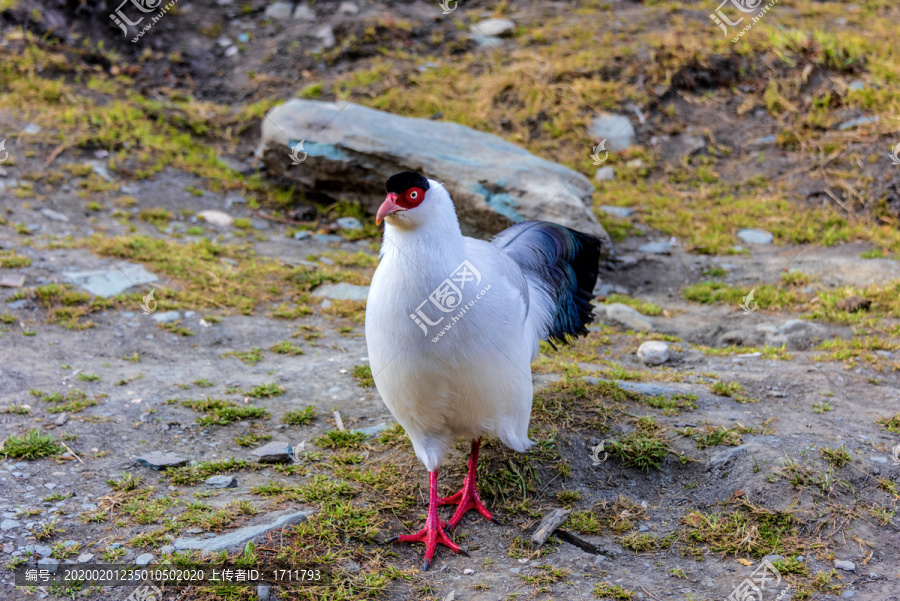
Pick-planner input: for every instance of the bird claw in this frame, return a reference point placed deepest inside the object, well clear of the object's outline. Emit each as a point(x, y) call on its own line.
point(393, 539)
point(433, 534)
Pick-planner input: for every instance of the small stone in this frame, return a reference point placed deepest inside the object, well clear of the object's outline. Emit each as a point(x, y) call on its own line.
point(373, 430)
point(161, 461)
point(274, 452)
point(279, 10)
point(32, 128)
point(301, 235)
point(166, 316)
point(348, 8)
point(9, 524)
point(43, 550)
point(852, 304)
point(54, 215)
point(617, 130)
point(325, 34)
point(859, 121)
point(653, 352)
point(625, 315)
point(263, 592)
point(304, 13)
point(216, 218)
point(49, 564)
point(232, 51)
point(755, 236)
point(350, 223)
point(468, 571)
point(221, 482)
point(328, 238)
point(878, 459)
point(773, 558)
point(243, 37)
point(843, 564)
point(85, 558)
point(167, 550)
point(100, 169)
point(620, 212)
point(144, 559)
point(656, 248)
point(494, 27)
point(605, 174)
point(342, 291)
point(848, 594)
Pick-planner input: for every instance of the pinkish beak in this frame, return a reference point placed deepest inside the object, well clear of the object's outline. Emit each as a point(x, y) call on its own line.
point(388, 207)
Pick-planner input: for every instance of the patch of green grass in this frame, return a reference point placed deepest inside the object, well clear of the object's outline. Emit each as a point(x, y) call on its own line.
point(639, 450)
point(176, 328)
point(72, 402)
point(286, 348)
point(710, 436)
point(265, 391)
point(568, 497)
point(47, 531)
point(748, 530)
point(300, 417)
point(767, 352)
point(251, 438)
point(672, 405)
point(822, 407)
point(643, 542)
point(605, 590)
point(363, 375)
point(645, 307)
point(340, 439)
point(126, 483)
point(393, 435)
point(10, 260)
point(204, 383)
point(157, 216)
point(83, 377)
point(32, 445)
point(221, 412)
point(251, 357)
point(194, 474)
point(891, 424)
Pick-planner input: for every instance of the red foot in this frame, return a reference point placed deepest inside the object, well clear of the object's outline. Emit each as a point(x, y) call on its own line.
point(434, 530)
point(467, 498)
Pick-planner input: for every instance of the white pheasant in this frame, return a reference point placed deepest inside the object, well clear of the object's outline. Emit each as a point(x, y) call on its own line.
point(453, 324)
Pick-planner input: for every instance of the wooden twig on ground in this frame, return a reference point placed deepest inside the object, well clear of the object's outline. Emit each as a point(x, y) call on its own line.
point(549, 524)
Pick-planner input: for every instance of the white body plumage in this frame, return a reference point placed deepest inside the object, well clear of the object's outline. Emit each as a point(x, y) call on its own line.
point(452, 360)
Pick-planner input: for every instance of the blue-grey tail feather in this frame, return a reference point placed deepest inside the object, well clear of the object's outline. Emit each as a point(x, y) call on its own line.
point(566, 262)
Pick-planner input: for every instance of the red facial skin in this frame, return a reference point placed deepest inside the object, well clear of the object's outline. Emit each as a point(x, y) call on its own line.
point(395, 203)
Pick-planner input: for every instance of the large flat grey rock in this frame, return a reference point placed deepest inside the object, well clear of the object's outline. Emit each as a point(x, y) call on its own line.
point(237, 539)
point(111, 281)
point(492, 182)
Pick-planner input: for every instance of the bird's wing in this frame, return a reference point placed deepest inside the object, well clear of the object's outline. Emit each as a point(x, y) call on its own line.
point(560, 267)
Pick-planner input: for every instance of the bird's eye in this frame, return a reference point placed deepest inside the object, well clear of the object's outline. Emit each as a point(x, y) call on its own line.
point(414, 195)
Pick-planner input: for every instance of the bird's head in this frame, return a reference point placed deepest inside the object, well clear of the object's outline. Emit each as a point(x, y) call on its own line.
point(411, 197)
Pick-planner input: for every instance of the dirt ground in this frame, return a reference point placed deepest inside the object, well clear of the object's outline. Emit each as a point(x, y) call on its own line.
point(772, 446)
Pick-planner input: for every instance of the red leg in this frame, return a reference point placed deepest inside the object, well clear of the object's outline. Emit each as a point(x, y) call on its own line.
point(467, 498)
point(433, 532)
